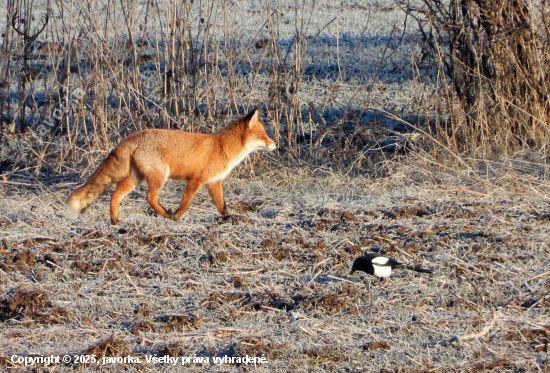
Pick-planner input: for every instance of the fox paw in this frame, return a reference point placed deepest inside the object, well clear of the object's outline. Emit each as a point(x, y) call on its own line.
point(234, 219)
point(171, 215)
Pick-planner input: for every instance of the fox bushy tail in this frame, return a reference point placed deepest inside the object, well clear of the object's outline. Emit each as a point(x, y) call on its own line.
point(113, 169)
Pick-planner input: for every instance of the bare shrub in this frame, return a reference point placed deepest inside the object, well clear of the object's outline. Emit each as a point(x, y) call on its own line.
point(493, 53)
point(97, 73)
point(109, 70)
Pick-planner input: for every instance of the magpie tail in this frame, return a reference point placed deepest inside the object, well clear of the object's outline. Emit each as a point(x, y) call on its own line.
point(419, 269)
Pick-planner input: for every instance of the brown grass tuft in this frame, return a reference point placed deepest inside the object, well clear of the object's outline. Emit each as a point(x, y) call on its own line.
point(110, 346)
point(24, 300)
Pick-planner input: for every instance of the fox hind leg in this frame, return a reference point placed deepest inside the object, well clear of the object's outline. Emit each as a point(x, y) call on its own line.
point(156, 181)
point(124, 187)
point(216, 192)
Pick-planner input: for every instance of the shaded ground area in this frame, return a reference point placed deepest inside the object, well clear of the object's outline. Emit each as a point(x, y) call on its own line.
point(273, 280)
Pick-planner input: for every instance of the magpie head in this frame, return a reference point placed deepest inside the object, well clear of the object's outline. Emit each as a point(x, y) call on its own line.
point(354, 267)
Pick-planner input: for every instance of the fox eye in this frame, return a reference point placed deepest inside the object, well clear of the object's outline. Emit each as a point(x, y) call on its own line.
point(262, 136)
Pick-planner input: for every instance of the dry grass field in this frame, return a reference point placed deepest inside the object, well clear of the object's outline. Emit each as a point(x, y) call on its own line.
point(273, 280)
point(347, 95)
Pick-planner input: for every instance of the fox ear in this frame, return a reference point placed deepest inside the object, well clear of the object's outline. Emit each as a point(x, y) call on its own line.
point(252, 117)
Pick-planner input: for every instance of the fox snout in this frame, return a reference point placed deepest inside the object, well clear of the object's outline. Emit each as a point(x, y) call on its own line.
point(270, 145)
point(263, 142)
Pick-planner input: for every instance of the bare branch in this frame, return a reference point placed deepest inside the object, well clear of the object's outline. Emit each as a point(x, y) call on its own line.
point(13, 20)
point(46, 19)
point(27, 37)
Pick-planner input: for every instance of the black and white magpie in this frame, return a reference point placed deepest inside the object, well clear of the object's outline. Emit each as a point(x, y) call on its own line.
point(380, 266)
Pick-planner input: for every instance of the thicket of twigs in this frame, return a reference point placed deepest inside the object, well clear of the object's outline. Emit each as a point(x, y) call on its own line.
point(86, 75)
point(76, 79)
point(495, 54)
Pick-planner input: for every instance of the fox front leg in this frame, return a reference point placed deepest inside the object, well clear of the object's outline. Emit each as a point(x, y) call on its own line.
point(216, 192)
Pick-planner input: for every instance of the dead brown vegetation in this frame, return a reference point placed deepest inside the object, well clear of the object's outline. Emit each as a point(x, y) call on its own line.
point(494, 55)
point(283, 290)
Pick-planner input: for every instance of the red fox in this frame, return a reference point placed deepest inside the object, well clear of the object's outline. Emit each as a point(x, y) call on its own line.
point(158, 154)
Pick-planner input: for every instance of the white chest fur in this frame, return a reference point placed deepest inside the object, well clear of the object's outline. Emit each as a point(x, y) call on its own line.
point(234, 162)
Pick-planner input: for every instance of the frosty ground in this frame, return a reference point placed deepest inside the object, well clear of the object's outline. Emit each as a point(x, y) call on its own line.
point(273, 279)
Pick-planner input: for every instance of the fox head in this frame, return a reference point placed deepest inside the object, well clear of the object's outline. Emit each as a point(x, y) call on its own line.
point(255, 136)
